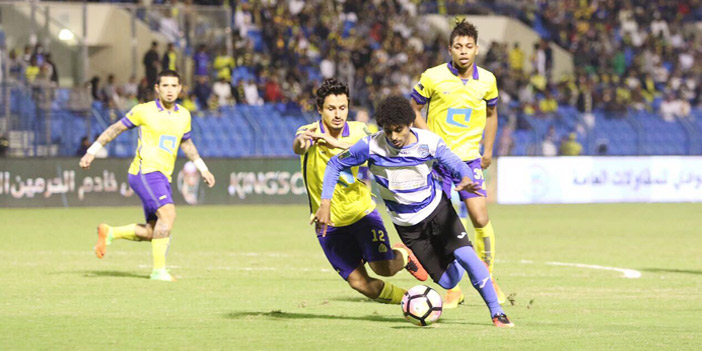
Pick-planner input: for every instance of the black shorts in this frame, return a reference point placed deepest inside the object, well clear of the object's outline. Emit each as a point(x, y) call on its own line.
point(434, 239)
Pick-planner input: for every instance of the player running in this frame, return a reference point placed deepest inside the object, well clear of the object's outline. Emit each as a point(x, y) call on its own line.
point(401, 160)
point(462, 99)
point(355, 233)
point(163, 126)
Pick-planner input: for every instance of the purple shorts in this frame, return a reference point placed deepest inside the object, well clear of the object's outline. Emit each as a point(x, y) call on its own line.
point(349, 246)
point(153, 189)
point(448, 178)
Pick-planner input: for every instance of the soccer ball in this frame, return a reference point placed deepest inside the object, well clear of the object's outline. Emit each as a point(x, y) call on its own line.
point(421, 305)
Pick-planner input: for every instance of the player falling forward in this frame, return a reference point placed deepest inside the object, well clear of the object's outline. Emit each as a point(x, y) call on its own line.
point(462, 100)
point(356, 233)
point(401, 160)
point(163, 126)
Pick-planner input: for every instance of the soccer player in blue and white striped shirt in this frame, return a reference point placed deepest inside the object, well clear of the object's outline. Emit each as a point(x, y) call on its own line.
point(401, 159)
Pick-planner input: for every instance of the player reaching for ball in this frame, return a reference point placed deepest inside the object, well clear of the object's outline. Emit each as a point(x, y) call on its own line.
point(401, 160)
point(355, 234)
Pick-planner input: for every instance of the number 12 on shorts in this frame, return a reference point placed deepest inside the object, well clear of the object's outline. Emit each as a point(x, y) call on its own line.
point(378, 235)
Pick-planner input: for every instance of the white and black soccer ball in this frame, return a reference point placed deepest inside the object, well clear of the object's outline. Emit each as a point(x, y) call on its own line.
point(421, 305)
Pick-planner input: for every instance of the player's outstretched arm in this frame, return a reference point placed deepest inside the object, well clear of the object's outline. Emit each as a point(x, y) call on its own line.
point(452, 162)
point(489, 136)
point(303, 141)
point(419, 121)
point(108, 135)
point(190, 151)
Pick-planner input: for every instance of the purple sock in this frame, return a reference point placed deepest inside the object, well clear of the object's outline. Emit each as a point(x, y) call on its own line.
point(479, 277)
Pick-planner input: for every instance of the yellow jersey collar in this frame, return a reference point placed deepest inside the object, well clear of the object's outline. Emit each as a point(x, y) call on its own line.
point(453, 70)
point(346, 132)
point(161, 108)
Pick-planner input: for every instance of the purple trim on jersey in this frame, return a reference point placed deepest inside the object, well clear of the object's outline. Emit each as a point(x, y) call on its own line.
point(127, 123)
point(449, 178)
point(492, 102)
point(348, 247)
point(160, 107)
point(418, 98)
point(344, 133)
point(153, 189)
point(186, 136)
point(454, 70)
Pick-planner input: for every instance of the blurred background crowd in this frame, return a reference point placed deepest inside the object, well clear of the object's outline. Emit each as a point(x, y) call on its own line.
point(630, 56)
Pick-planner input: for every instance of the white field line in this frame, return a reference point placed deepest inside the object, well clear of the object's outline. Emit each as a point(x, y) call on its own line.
point(227, 268)
point(626, 272)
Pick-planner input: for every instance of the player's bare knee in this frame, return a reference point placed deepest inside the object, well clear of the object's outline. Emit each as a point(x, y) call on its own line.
point(481, 220)
point(383, 268)
point(360, 285)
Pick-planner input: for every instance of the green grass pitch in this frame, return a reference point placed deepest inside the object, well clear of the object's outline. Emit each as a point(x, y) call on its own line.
point(254, 278)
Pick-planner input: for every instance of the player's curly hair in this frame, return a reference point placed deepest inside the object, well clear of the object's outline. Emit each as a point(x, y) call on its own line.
point(394, 111)
point(463, 29)
point(331, 86)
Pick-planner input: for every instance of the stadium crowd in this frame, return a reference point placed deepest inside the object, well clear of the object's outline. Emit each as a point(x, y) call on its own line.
point(629, 55)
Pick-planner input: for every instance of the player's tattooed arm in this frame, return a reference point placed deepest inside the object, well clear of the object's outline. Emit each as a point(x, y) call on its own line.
point(189, 150)
point(111, 133)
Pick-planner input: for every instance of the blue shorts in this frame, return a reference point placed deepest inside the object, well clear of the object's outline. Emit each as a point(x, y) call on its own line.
point(349, 246)
point(153, 189)
point(448, 178)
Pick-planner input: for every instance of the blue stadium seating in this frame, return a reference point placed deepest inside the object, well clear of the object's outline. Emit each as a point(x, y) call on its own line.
point(268, 130)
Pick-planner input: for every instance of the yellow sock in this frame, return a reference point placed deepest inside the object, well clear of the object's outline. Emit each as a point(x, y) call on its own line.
point(124, 232)
point(454, 289)
point(404, 254)
point(158, 251)
point(390, 294)
point(485, 245)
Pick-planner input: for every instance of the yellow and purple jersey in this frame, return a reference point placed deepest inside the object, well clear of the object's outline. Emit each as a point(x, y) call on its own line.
point(160, 134)
point(352, 199)
point(457, 108)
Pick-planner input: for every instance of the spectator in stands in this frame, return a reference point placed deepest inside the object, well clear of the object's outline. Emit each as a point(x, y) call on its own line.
point(505, 143)
point(548, 106)
point(238, 92)
point(272, 92)
point(570, 146)
point(51, 67)
point(144, 90)
point(548, 146)
point(27, 55)
point(202, 92)
point(131, 87)
point(4, 145)
point(222, 91)
point(95, 90)
point(32, 70)
point(151, 65)
point(83, 146)
point(516, 58)
point(168, 26)
point(16, 66)
point(223, 65)
point(170, 58)
point(109, 91)
point(251, 93)
point(670, 108)
point(201, 62)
